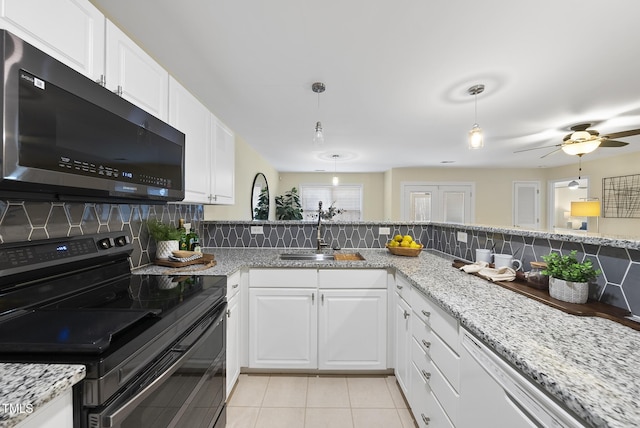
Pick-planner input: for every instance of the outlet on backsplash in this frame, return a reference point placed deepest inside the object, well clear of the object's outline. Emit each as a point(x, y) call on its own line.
point(257, 230)
point(384, 231)
point(462, 236)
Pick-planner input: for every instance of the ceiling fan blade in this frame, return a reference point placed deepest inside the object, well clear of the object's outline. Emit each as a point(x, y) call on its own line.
point(550, 153)
point(623, 134)
point(612, 143)
point(537, 148)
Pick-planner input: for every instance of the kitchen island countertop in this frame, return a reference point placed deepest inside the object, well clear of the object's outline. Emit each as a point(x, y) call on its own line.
point(26, 388)
point(589, 364)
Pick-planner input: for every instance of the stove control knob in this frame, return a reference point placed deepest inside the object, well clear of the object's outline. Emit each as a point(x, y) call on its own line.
point(121, 241)
point(105, 243)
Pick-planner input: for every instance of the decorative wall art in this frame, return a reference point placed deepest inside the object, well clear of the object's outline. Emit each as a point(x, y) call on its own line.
point(621, 196)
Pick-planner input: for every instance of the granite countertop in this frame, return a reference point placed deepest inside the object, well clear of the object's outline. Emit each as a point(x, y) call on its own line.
point(591, 365)
point(25, 388)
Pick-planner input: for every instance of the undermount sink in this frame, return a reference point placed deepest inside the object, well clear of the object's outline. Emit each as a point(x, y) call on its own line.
point(320, 257)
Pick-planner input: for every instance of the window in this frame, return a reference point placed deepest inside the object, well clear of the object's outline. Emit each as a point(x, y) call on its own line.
point(345, 197)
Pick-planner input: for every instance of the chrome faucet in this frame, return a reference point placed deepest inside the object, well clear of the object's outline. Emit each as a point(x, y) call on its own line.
point(320, 242)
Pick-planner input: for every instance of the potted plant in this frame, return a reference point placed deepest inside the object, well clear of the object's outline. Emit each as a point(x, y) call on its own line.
point(288, 206)
point(261, 211)
point(166, 236)
point(569, 278)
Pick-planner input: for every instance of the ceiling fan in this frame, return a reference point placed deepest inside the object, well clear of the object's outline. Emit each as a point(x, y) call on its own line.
point(583, 140)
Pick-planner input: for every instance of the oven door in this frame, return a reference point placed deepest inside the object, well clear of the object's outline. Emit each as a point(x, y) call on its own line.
point(185, 388)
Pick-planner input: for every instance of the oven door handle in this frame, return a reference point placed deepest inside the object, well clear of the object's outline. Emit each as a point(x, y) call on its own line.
point(114, 418)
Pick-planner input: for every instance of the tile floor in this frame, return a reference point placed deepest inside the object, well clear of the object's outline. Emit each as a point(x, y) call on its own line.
point(311, 401)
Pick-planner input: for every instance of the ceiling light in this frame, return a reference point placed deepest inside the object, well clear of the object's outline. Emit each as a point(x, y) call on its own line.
point(476, 140)
point(573, 185)
point(335, 181)
point(318, 137)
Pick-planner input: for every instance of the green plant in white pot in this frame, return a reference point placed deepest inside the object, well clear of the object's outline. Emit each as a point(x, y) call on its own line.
point(569, 278)
point(166, 236)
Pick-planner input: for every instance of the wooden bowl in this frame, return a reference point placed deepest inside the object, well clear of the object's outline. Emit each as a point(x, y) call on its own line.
point(404, 251)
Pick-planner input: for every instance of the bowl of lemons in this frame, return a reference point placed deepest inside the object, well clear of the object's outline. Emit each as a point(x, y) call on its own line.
point(404, 246)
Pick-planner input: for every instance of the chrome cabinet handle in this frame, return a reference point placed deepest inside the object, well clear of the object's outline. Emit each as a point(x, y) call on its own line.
point(118, 91)
point(235, 285)
point(399, 287)
point(313, 298)
point(426, 375)
point(228, 313)
point(406, 314)
point(322, 298)
point(426, 314)
point(426, 344)
point(101, 81)
point(425, 419)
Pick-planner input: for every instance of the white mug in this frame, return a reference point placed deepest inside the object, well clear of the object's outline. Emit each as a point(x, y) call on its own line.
point(506, 260)
point(483, 255)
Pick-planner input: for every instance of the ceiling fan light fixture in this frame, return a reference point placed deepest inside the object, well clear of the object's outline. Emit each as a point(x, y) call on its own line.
point(579, 136)
point(581, 147)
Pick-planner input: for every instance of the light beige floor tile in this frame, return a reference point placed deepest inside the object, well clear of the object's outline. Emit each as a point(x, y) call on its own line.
point(406, 418)
point(242, 417)
point(249, 391)
point(396, 393)
point(328, 392)
point(376, 418)
point(281, 417)
point(286, 391)
point(328, 418)
point(369, 392)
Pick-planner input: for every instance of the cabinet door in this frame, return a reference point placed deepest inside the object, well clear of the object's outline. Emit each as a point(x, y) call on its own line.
point(353, 329)
point(233, 342)
point(190, 116)
point(403, 342)
point(134, 75)
point(283, 328)
point(72, 31)
point(223, 163)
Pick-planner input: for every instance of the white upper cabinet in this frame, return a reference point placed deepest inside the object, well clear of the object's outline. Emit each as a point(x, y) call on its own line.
point(188, 115)
point(72, 31)
point(223, 163)
point(133, 74)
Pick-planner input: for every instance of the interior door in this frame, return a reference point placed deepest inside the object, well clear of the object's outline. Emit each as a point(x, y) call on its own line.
point(446, 203)
point(526, 204)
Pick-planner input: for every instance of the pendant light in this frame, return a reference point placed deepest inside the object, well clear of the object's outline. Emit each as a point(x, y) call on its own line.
point(476, 140)
point(335, 181)
point(318, 137)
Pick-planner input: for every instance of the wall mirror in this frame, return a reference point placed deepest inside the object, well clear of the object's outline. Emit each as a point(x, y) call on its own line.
point(260, 198)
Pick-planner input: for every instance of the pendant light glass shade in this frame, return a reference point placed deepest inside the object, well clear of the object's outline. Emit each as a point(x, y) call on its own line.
point(318, 138)
point(476, 140)
point(335, 180)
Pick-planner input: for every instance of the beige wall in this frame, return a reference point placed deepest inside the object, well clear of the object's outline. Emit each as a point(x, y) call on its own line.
point(248, 164)
point(373, 189)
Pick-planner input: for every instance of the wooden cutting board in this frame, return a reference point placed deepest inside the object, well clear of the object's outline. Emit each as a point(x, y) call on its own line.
point(206, 259)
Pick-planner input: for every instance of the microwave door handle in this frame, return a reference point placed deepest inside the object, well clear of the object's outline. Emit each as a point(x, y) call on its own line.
point(115, 417)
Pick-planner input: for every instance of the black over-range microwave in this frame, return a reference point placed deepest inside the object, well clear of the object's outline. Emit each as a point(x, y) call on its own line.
point(66, 138)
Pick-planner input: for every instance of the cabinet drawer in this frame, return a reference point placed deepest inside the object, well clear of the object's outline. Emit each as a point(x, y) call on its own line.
point(403, 288)
point(426, 409)
point(441, 322)
point(446, 395)
point(352, 278)
point(447, 361)
point(279, 278)
point(233, 285)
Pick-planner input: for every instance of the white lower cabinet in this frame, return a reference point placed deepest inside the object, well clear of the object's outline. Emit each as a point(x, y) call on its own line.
point(308, 319)
point(426, 409)
point(57, 413)
point(402, 320)
point(352, 329)
point(283, 328)
point(234, 324)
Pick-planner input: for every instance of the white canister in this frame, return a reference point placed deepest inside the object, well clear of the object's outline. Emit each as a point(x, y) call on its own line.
point(483, 255)
point(506, 260)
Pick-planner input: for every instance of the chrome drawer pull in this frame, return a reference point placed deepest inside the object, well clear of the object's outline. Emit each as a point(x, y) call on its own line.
point(426, 375)
point(399, 287)
point(406, 314)
point(228, 313)
point(425, 419)
point(426, 344)
point(426, 314)
point(235, 285)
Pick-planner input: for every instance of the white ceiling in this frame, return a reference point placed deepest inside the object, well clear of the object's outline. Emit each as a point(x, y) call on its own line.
point(397, 75)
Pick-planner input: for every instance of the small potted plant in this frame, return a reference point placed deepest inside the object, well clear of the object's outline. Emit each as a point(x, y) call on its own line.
point(569, 278)
point(166, 236)
point(288, 206)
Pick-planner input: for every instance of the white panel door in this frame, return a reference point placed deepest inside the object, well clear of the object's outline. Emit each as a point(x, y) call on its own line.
point(352, 329)
point(526, 204)
point(72, 31)
point(439, 202)
point(133, 74)
point(283, 328)
point(190, 116)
